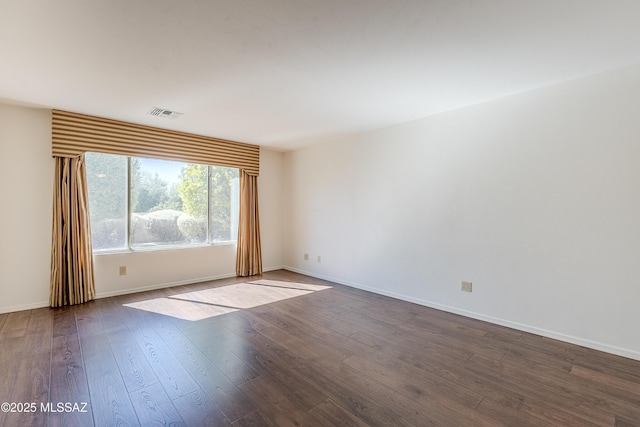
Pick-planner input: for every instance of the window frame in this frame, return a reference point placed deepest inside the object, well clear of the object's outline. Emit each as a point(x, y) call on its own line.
point(160, 247)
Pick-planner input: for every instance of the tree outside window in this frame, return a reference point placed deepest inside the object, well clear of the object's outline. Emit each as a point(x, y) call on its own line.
point(164, 204)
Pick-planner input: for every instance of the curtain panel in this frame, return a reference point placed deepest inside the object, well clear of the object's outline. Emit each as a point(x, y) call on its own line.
point(249, 256)
point(72, 279)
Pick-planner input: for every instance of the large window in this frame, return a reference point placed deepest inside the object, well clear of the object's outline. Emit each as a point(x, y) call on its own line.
point(139, 203)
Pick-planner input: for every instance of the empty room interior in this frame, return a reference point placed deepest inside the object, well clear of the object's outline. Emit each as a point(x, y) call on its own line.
point(270, 212)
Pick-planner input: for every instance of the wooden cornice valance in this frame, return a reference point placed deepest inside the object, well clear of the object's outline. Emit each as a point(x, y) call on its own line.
point(74, 134)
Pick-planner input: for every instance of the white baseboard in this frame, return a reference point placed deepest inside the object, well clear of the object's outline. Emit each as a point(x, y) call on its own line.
point(161, 286)
point(171, 284)
point(24, 307)
point(631, 354)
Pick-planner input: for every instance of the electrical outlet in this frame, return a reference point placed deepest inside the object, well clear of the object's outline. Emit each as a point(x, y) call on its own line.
point(319, 259)
point(123, 270)
point(466, 286)
point(306, 257)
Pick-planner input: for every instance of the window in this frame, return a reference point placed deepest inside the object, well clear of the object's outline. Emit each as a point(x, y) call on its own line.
point(108, 195)
point(139, 203)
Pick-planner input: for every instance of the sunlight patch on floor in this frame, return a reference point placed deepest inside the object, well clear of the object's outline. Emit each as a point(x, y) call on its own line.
point(212, 302)
point(185, 310)
point(291, 285)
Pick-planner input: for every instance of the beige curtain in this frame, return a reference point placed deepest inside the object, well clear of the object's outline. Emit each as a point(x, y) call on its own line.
point(71, 255)
point(249, 256)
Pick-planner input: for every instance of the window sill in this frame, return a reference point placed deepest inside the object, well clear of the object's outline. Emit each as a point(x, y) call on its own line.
point(100, 252)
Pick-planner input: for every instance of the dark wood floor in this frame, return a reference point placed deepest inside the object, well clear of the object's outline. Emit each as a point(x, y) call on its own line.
point(333, 357)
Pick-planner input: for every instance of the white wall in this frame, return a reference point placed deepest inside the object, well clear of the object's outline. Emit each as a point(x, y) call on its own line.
point(26, 174)
point(271, 206)
point(26, 191)
point(535, 198)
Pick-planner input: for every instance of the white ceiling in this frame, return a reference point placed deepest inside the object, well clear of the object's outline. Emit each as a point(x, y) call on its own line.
point(285, 73)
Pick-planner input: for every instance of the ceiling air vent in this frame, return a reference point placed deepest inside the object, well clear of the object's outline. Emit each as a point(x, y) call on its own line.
point(161, 112)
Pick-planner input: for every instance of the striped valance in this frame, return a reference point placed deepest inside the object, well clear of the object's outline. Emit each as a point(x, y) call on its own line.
point(74, 134)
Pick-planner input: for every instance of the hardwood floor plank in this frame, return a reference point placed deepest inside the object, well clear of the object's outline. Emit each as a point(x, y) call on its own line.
point(136, 371)
point(64, 321)
point(559, 417)
point(334, 322)
point(336, 381)
point(297, 326)
point(153, 407)
point(12, 353)
point(109, 312)
point(234, 368)
point(548, 388)
point(41, 322)
point(487, 347)
point(377, 404)
point(625, 422)
point(427, 342)
point(608, 393)
point(175, 379)
point(172, 375)
point(110, 401)
point(69, 381)
point(372, 326)
point(238, 323)
point(254, 419)
point(226, 395)
point(3, 318)
point(197, 409)
point(8, 372)
point(31, 381)
point(454, 399)
point(376, 343)
point(346, 343)
point(34, 390)
point(303, 343)
point(88, 320)
point(15, 324)
point(509, 415)
point(334, 316)
point(417, 356)
point(276, 408)
point(411, 372)
point(606, 379)
point(259, 355)
point(597, 360)
point(336, 415)
point(212, 326)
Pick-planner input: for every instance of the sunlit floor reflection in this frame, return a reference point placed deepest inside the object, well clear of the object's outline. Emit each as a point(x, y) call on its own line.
point(212, 302)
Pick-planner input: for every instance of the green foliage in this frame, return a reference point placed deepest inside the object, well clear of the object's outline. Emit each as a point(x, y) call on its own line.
point(107, 182)
point(155, 227)
point(160, 212)
point(152, 193)
point(222, 180)
point(194, 229)
point(193, 190)
point(107, 185)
